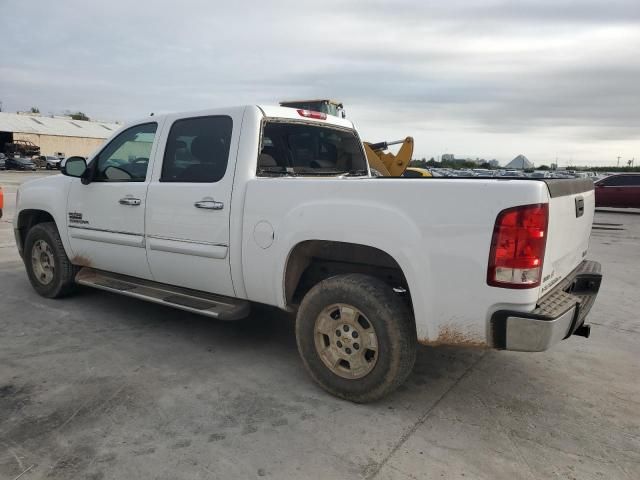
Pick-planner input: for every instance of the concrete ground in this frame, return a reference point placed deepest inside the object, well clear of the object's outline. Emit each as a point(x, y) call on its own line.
point(99, 386)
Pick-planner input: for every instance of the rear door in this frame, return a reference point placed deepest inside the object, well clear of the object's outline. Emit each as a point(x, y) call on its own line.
point(189, 200)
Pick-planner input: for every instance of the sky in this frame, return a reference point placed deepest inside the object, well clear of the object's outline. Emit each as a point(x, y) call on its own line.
point(491, 79)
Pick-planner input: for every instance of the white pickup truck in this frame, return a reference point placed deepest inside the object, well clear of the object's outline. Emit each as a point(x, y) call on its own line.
point(212, 210)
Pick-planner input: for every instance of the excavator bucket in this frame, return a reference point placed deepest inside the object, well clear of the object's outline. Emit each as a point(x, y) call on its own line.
point(385, 162)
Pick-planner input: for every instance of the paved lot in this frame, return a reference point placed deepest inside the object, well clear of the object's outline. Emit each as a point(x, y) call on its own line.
point(104, 387)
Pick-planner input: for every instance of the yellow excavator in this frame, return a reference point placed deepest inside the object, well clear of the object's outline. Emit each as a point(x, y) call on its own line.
point(380, 159)
point(388, 164)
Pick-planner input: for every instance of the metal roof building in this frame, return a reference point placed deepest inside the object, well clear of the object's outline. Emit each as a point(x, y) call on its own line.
point(55, 135)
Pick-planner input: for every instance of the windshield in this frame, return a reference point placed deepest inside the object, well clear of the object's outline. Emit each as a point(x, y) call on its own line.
point(306, 149)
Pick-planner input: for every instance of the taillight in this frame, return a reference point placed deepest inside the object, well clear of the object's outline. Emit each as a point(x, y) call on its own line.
point(312, 114)
point(517, 247)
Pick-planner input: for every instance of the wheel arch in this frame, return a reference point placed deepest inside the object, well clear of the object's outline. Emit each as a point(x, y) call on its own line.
point(311, 261)
point(26, 220)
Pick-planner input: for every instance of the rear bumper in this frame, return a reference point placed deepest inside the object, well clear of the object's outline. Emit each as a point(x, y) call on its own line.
point(557, 316)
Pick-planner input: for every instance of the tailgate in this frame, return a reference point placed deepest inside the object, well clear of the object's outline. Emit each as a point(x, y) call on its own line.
point(571, 208)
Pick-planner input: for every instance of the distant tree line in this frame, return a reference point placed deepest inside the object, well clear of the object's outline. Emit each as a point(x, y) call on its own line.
point(457, 165)
point(606, 169)
point(424, 163)
point(73, 115)
point(78, 116)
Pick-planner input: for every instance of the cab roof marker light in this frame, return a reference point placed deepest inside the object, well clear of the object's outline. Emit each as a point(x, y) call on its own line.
point(312, 114)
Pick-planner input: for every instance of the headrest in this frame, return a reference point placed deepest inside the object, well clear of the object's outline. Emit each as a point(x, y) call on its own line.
point(207, 149)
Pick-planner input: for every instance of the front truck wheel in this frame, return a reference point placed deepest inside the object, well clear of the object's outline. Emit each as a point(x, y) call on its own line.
point(50, 272)
point(356, 337)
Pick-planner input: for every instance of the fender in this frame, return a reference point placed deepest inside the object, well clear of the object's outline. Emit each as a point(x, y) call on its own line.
point(346, 220)
point(49, 195)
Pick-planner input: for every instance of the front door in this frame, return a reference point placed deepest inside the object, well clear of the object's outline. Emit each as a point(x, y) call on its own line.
point(106, 217)
point(189, 200)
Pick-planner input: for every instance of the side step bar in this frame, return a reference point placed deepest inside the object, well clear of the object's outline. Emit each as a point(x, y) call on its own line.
point(203, 303)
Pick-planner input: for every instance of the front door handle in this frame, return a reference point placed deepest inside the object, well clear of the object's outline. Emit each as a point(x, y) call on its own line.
point(130, 201)
point(209, 204)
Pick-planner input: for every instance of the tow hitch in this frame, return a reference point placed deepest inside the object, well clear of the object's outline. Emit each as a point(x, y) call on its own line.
point(583, 331)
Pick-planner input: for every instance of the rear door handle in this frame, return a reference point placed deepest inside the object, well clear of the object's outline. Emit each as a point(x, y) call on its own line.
point(209, 204)
point(130, 201)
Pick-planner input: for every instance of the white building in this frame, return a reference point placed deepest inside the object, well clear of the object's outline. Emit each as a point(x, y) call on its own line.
point(55, 134)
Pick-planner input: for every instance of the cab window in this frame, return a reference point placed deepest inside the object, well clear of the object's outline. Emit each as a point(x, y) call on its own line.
point(197, 150)
point(126, 157)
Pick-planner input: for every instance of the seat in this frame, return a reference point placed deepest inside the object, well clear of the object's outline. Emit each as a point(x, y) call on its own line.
point(170, 168)
point(212, 154)
point(265, 161)
point(275, 157)
point(302, 150)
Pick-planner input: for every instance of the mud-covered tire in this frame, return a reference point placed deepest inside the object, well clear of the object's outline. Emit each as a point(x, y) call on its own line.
point(63, 273)
point(384, 310)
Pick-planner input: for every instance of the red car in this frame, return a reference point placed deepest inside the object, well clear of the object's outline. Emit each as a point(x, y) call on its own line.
point(621, 191)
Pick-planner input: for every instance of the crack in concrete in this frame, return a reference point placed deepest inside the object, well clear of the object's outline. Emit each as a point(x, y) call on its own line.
point(514, 445)
point(421, 420)
point(626, 330)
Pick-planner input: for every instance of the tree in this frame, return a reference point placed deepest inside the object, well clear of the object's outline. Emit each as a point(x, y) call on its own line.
point(79, 116)
point(486, 165)
point(35, 110)
point(543, 167)
point(418, 163)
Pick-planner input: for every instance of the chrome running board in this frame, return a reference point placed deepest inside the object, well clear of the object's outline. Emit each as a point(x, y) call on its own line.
point(203, 303)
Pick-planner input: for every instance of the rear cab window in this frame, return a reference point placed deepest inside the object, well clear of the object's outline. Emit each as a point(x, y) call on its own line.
point(308, 149)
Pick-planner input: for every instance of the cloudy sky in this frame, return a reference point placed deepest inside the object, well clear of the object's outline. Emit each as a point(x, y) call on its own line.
point(547, 78)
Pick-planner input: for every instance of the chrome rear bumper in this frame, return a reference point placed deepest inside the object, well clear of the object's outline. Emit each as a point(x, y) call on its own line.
point(558, 315)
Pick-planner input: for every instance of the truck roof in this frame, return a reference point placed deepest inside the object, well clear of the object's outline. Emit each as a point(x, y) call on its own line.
point(292, 113)
point(271, 111)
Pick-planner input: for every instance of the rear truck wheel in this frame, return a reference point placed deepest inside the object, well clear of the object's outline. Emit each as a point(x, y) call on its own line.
point(49, 270)
point(356, 337)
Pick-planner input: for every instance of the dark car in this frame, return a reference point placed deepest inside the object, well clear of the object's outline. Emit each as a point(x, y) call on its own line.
point(19, 163)
point(3, 158)
point(620, 191)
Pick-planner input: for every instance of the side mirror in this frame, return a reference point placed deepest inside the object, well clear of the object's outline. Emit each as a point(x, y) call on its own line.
point(74, 167)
